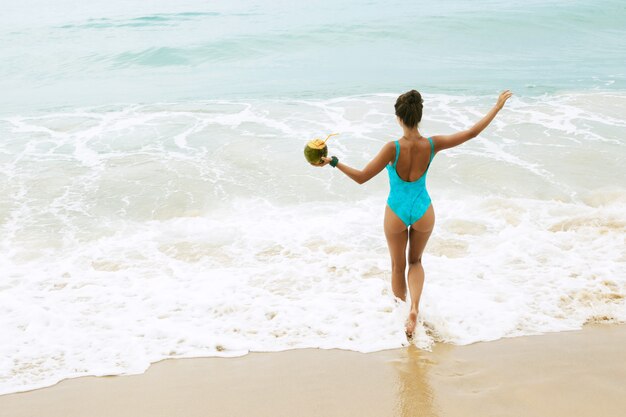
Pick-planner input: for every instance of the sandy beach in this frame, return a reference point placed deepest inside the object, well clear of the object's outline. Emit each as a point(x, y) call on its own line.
point(577, 373)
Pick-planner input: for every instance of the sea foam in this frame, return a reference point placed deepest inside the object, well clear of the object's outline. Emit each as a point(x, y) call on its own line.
point(133, 233)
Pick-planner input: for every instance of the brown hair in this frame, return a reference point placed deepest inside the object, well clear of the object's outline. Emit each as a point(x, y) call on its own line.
point(409, 108)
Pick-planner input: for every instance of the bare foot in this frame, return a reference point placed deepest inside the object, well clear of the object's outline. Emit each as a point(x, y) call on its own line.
point(410, 324)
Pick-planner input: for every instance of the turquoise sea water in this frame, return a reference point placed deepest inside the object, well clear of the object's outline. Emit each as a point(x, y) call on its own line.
point(66, 54)
point(155, 202)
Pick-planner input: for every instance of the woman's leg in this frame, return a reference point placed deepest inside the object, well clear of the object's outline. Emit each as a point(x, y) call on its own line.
point(397, 234)
point(419, 232)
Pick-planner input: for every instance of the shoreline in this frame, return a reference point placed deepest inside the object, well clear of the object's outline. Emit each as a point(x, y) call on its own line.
point(568, 373)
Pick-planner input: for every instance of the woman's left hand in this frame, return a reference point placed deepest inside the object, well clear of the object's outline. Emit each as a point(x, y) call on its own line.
point(324, 161)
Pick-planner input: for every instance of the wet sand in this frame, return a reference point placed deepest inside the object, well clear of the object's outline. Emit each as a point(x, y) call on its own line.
point(577, 373)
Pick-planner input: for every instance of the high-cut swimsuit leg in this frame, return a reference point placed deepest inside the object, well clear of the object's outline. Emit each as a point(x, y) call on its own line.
point(409, 200)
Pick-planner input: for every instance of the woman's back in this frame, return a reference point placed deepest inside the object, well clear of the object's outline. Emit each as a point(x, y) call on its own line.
point(414, 158)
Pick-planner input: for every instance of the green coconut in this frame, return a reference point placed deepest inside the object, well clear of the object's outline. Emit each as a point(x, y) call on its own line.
point(316, 149)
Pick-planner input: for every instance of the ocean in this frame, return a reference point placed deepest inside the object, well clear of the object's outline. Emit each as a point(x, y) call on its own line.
point(155, 201)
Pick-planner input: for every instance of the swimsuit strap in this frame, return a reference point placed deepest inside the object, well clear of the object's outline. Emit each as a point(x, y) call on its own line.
point(432, 150)
point(397, 153)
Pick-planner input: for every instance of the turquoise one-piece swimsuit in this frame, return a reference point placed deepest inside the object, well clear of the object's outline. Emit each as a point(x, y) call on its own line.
point(408, 199)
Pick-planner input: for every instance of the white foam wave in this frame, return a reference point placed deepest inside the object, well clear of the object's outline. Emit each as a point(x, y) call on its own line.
point(262, 277)
point(132, 234)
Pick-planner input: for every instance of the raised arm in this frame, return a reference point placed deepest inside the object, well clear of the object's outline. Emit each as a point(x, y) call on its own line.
point(449, 141)
point(385, 155)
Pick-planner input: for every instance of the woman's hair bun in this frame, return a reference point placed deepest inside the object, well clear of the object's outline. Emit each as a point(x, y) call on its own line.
point(414, 97)
point(409, 108)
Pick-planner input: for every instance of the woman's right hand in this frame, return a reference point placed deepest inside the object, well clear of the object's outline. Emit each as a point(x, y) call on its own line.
point(323, 161)
point(504, 96)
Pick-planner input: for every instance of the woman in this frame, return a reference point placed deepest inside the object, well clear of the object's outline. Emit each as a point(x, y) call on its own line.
point(409, 214)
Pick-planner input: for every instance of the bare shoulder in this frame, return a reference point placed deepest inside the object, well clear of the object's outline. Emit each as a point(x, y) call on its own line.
point(388, 151)
point(389, 147)
point(436, 139)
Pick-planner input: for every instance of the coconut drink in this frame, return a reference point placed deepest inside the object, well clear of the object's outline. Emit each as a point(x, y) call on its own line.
point(316, 149)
